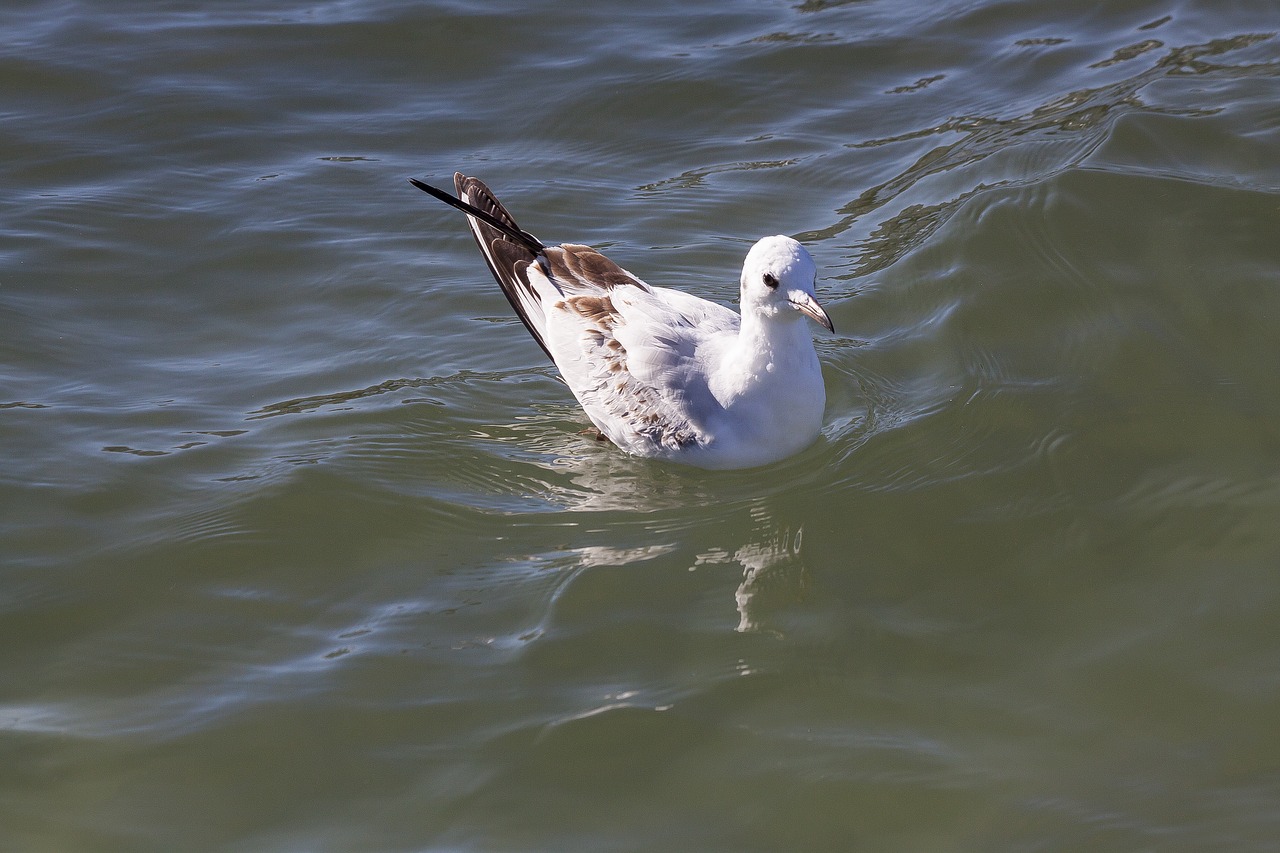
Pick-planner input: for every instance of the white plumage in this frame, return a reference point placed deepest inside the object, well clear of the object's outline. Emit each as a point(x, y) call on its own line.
point(662, 373)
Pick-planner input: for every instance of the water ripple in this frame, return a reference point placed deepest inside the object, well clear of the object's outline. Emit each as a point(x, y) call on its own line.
point(1065, 129)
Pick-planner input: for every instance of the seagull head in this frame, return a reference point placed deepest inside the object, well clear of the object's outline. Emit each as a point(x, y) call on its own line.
point(778, 278)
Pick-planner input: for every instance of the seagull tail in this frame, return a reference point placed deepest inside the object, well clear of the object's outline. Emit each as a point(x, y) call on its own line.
point(507, 248)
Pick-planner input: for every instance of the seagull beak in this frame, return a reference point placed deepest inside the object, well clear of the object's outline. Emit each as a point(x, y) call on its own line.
point(808, 306)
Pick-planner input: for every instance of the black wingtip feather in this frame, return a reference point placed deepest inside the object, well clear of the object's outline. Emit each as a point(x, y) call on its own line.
point(519, 235)
point(507, 249)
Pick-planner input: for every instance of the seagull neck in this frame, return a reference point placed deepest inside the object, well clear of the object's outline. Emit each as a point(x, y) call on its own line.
point(772, 364)
point(768, 335)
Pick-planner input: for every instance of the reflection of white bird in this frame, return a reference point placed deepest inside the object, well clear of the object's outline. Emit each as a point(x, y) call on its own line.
point(662, 373)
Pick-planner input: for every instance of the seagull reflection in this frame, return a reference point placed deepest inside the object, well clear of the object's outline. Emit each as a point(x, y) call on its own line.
point(659, 500)
point(772, 571)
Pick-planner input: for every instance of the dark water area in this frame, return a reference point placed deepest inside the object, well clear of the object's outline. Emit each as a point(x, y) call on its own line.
point(300, 545)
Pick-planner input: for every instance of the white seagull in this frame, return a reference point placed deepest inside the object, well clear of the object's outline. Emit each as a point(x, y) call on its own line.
point(662, 373)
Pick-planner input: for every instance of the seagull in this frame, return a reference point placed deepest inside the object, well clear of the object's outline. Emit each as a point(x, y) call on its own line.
point(662, 373)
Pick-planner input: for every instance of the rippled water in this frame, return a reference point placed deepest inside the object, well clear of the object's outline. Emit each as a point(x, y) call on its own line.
point(300, 548)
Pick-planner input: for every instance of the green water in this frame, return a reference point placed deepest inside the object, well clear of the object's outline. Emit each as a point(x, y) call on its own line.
point(301, 548)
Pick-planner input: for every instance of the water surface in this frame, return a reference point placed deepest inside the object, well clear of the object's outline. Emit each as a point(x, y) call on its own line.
point(300, 548)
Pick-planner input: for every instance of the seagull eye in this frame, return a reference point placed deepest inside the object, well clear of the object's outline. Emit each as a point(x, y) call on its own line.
point(770, 280)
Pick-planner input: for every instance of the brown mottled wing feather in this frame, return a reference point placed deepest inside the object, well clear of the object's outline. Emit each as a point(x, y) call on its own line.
point(627, 350)
point(576, 303)
point(570, 268)
point(507, 259)
point(577, 268)
point(600, 370)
